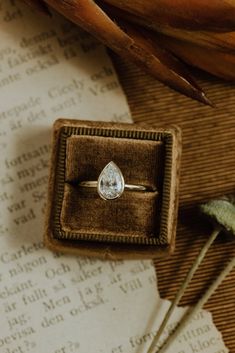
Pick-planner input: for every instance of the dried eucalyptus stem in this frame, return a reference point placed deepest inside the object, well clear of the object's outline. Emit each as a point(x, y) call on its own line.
point(198, 306)
point(222, 213)
point(183, 287)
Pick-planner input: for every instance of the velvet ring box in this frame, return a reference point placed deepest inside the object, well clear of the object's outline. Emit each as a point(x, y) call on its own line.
point(136, 225)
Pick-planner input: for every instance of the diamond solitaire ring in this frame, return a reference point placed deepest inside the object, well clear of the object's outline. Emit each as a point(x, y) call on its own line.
point(110, 184)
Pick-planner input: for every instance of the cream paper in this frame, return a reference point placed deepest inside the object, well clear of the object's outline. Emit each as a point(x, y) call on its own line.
point(50, 302)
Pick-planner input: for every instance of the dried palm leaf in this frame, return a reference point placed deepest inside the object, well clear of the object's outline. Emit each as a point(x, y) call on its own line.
point(220, 41)
point(216, 15)
point(163, 65)
point(217, 41)
point(200, 28)
point(132, 45)
point(220, 64)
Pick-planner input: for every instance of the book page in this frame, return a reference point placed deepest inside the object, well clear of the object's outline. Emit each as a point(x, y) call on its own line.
point(199, 336)
point(50, 302)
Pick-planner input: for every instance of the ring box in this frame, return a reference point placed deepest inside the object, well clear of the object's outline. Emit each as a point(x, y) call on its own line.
point(136, 225)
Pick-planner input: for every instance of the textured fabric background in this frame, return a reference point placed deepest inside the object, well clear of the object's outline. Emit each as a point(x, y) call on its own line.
point(208, 170)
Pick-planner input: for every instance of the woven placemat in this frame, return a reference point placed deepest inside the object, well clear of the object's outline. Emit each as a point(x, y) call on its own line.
point(208, 170)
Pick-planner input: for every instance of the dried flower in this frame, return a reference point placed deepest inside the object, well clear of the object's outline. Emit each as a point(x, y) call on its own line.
point(222, 213)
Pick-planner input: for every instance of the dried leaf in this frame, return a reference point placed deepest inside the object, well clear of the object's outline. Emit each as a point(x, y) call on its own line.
point(133, 45)
point(218, 63)
point(218, 41)
point(221, 212)
point(216, 15)
point(212, 40)
point(164, 66)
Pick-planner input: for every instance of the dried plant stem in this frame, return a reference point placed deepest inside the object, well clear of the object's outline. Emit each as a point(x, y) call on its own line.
point(183, 287)
point(198, 306)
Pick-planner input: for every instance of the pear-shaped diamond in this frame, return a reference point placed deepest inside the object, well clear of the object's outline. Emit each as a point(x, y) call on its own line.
point(111, 182)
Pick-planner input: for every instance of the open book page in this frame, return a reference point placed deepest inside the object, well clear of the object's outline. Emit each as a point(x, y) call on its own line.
point(48, 69)
point(51, 302)
point(200, 336)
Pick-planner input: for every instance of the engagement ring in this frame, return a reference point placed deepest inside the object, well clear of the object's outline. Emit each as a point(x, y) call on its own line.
point(111, 184)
